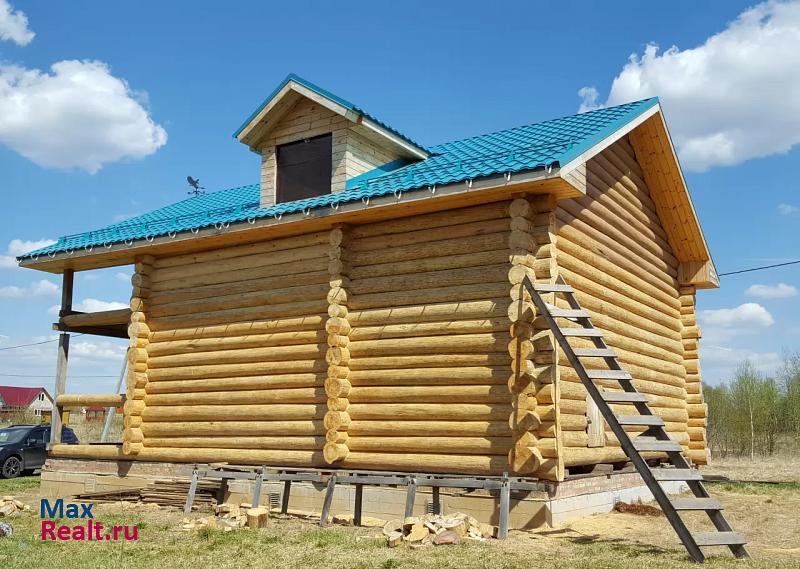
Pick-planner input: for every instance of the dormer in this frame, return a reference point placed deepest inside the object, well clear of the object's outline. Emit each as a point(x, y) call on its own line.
point(312, 142)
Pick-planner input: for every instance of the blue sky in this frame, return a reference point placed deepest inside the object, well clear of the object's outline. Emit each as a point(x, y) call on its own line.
point(105, 149)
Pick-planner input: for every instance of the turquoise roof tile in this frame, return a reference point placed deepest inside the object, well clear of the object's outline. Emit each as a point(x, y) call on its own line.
point(526, 148)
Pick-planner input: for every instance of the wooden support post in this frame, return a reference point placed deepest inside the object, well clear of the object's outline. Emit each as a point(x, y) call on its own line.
point(287, 488)
point(358, 505)
point(505, 506)
point(187, 508)
point(410, 494)
point(56, 422)
point(326, 505)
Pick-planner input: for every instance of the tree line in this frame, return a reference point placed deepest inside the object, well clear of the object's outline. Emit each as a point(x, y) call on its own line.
point(751, 413)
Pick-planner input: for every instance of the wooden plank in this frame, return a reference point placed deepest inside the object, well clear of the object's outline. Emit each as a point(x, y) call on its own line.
point(647, 420)
point(623, 397)
point(105, 318)
point(696, 504)
point(676, 474)
point(649, 444)
point(719, 538)
point(608, 374)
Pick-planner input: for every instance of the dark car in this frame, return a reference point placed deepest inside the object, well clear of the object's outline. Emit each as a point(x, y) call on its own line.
point(23, 448)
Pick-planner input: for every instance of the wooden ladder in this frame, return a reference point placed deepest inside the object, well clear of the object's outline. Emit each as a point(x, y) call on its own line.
point(654, 439)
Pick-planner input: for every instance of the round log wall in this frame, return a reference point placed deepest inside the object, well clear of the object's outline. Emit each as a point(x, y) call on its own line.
point(613, 250)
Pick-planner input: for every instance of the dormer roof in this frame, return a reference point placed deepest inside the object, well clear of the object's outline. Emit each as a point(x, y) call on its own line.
point(292, 89)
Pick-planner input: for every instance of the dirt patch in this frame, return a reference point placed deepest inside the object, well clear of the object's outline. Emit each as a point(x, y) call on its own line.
point(638, 509)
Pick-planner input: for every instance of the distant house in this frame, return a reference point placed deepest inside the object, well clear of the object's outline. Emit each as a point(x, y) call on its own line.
point(21, 399)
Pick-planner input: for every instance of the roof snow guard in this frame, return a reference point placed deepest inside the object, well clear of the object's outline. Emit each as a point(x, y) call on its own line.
point(544, 145)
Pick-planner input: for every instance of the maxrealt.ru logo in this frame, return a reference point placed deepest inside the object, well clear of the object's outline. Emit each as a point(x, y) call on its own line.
point(90, 531)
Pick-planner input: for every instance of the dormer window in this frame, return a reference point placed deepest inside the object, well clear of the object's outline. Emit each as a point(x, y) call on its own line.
point(304, 168)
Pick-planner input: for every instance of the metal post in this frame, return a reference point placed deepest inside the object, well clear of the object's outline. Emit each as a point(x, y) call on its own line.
point(359, 500)
point(287, 488)
point(63, 357)
point(505, 506)
point(187, 508)
point(111, 411)
point(436, 500)
point(326, 505)
point(257, 490)
point(410, 494)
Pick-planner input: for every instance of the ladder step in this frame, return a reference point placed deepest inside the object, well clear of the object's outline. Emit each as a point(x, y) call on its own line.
point(696, 504)
point(608, 374)
point(623, 397)
point(676, 474)
point(544, 287)
point(719, 538)
point(650, 444)
point(647, 420)
point(594, 352)
point(568, 312)
point(582, 332)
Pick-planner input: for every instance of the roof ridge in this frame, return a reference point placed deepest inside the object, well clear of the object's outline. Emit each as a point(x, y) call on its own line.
point(433, 147)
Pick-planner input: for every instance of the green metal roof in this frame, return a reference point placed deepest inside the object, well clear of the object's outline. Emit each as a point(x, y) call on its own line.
point(548, 144)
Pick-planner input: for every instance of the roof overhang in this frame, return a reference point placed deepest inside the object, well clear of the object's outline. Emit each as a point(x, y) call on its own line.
point(288, 93)
point(656, 154)
point(423, 200)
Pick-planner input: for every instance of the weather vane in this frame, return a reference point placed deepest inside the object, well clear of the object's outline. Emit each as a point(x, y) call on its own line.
point(197, 189)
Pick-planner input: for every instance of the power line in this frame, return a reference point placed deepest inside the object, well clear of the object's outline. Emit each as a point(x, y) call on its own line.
point(33, 344)
point(759, 268)
point(51, 376)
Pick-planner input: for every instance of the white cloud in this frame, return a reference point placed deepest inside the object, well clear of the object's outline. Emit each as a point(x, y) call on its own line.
point(94, 305)
point(719, 363)
point(786, 209)
point(97, 350)
point(14, 25)
point(78, 116)
point(17, 247)
point(747, 315)
point(731, 99)
point(125, 277)
point(38, 288)
point(780, 290)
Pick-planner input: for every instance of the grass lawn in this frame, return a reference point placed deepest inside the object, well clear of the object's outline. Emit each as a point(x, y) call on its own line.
point(765, 512)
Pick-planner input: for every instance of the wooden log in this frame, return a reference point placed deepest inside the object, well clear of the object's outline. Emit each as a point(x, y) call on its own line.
point(425, 265)
point(290, 271)
point(430, 361)
point(233, 356)
point(428, 235)
point(443, 248)
point(430, 394)
point(84, 400)
point(431, 279)
point(257, 382)
point(277, 326)
point(582, 242)
point(420, 313)
point(446, 218)
point(239, 442)
point(239, 369)
point(289, 295)
point(256, 397)
point(265, 248)
point(428, 411)
point(428, 296)
point(308, 428)
point(105, 318)
point(446, 328)
point(434, 444)
point(288, 412)
point(428, 428)
point(165, 348)
point(495, 375)
point(426, 345)
point(251, 313)
point(235, 263)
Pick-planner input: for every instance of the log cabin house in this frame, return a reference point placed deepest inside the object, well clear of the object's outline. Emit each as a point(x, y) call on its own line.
point(362, 308)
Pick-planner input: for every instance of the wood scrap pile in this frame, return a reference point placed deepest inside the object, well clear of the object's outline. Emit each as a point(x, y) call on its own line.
point(168, 492)
point(436, 529)
point(230, 517)
point(9, 506)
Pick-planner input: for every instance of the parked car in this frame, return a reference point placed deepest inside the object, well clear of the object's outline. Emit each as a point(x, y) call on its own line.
point(23, 448)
